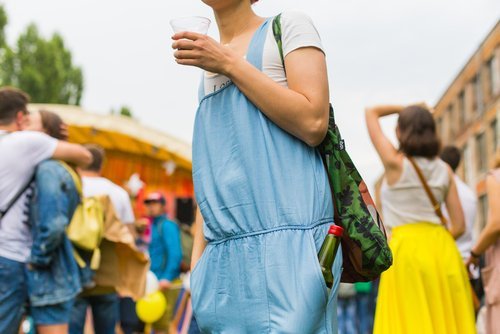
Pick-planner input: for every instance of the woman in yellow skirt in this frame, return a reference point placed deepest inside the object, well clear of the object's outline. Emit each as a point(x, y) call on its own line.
point(426, 291)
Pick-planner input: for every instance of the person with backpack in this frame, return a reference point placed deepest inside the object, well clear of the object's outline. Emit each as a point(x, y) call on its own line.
point(52, 277)
point(104, 301)
point(94, 184)
point(21, 152)
point(264, 198)
point(165, 252)
point(427, 289)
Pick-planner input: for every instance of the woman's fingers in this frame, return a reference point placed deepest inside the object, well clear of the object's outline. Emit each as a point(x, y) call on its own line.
point(188, 62)
point(187, 35)
point(183, 44)
point(186, 54)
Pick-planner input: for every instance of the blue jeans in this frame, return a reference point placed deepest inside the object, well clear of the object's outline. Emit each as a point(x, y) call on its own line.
point(365, 312)
point(105, 309)
point(346, 313)
point(13, 295)
point(129, 321)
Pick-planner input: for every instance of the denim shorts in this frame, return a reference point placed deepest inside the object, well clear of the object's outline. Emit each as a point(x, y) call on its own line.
point(56, 314)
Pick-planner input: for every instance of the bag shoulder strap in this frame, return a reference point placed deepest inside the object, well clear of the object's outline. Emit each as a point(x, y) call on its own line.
point(76, 178)
point(435, 204)
point(16, 197)
point(277, 36)
point(277, 33)
point(13, 201)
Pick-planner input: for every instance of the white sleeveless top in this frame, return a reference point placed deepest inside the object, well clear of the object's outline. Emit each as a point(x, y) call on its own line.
point(406, 201)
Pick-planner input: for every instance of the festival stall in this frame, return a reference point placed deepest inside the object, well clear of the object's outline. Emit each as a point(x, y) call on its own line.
point(139, 158)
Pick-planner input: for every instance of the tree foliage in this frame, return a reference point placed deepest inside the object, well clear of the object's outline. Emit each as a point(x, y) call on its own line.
point(126, 111)
point(3, 23)
point(41, 67)
point(123, 111)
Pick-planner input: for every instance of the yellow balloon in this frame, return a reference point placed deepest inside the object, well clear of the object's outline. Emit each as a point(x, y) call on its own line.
point(150, 308)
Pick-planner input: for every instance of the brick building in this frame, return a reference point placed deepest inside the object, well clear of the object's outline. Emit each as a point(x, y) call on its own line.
point(467, 115)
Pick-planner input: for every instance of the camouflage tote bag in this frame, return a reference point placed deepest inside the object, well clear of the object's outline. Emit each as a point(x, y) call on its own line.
point(366, 253)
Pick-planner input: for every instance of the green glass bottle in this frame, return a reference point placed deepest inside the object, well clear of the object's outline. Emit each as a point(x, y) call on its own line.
point(328, 252)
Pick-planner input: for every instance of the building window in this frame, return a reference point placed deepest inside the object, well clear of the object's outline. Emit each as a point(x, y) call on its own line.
point(478, 93)
point(483, 211)
point(494, 135)
point(481, 156)
point(461, 110)
point(451, 123)
point(490, 69)
point(473, 96)
point(494, 69)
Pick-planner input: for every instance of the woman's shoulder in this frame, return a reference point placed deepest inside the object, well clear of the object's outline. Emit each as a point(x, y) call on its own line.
point(298, 30)
point(293, 18)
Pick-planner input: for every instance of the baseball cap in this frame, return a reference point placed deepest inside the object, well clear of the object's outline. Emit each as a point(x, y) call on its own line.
point(155, 197)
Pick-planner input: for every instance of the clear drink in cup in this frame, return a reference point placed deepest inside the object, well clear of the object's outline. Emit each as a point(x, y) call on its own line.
point(198, 24)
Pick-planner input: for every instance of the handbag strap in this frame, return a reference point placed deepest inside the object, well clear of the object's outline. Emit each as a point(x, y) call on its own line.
point(16, 197)
point(277, 33)
point(336, 215)
point(435, 204)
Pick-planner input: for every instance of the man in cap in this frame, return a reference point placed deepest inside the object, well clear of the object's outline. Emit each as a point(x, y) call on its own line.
point(165, 252)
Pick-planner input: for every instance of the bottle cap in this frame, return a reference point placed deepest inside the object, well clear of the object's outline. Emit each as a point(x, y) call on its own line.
point(336, 230)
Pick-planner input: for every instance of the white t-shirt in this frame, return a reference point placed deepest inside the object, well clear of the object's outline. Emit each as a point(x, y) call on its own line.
point(20, 153)
point(95, 186)
point(468, 200)
point(406, 201)
point(298, 31)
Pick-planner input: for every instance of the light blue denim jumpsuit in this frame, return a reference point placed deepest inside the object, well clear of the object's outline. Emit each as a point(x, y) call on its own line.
point(266, 203)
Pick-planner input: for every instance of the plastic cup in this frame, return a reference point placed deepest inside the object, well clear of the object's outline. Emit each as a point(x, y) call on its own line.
point(198, 24)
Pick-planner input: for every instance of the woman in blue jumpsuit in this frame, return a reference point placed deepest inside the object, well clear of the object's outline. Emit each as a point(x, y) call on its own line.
point(261, 187)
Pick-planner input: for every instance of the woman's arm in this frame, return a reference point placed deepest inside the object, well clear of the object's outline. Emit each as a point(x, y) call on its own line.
point(457, 220)
point(491, 231)
point(199, 242)
point(72, 153)
point(301, 109)
point(388, 153)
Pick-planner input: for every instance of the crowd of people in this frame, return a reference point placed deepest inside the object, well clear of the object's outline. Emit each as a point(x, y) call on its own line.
point(44, 179)
point(264, 208)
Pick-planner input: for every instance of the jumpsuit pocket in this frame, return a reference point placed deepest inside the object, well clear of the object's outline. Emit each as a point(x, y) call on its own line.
point(195, 282)
point(203, 292)
point(317, 268)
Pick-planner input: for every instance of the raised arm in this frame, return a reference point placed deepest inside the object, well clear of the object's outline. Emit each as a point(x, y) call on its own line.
point(385, 149)
point(72, 153)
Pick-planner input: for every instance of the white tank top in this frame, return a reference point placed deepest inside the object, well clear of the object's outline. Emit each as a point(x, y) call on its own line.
point(406, 202)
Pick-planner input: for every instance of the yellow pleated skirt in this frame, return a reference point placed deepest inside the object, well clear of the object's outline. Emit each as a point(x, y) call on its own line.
point(426, 291)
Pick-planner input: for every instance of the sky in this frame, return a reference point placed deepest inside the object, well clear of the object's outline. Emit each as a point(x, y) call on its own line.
point(384, 51)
